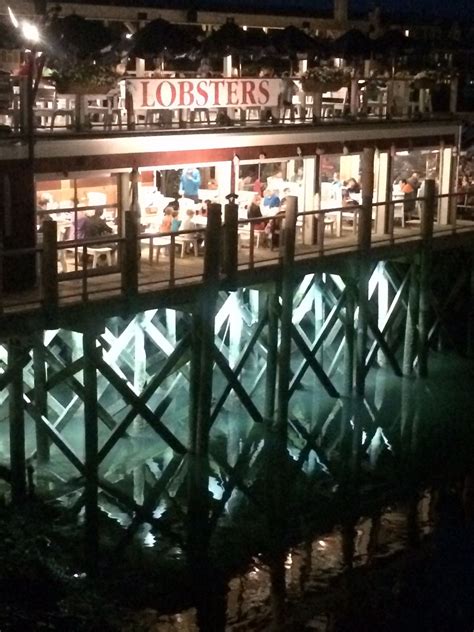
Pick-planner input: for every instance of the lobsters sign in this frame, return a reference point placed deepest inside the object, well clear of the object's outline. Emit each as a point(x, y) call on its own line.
point(203, 93)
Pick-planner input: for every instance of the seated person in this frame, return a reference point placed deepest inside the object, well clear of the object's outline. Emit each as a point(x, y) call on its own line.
point(165, 226)
point(189, 223)
point(351, 193)
point(274, 228)
point(271, 199)
point(94, 225)
point(254, 212)
point(175, 222)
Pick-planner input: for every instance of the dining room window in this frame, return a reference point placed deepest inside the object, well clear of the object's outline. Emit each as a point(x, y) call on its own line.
point(66, 200)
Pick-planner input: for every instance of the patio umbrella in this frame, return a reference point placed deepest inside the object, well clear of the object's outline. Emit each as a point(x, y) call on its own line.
point(161, 38)
point(229, 39)
point(75, 35)
point(292, 41)
point(258, 43)
point(395, 43)
point(353, 43)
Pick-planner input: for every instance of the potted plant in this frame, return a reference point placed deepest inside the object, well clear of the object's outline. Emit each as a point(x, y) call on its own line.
point(426, 79)
point(84, 77)
point(324, 79)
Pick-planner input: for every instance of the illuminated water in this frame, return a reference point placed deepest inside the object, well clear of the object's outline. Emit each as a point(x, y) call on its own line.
point(360, 523)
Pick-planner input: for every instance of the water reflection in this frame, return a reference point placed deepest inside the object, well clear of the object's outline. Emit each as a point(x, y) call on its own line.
point(327, 528)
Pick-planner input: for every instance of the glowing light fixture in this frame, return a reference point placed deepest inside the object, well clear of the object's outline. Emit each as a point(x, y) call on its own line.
point(30, 32)
point(13, 18)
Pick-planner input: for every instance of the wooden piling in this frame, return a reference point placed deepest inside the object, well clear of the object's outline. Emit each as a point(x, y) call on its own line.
point(272, 358)
point(41, 397)
point(287, 287)
point(426, 229)
point(91, 439)
point(201, 383)
point(362, 324)
point(410, 341)
point(16, 352)
point(349, 337)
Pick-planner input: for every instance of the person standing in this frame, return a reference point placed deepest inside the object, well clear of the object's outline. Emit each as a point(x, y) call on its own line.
point(189, 183)
point(409, 198)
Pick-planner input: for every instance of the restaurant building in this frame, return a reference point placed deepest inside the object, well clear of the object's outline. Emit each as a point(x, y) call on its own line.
point(359, 253)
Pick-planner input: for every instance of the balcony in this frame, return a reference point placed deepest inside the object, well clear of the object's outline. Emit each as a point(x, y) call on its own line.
point(132, 105)
point(105, 274)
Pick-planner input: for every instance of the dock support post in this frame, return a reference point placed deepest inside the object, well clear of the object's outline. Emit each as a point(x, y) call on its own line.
point(383, 304)
point(426, 229)
point(272, 358)
point(201, 373)
point(41, 397)
point(91, 439)
point(16, 362)
point(287, 287)
point(361, 344)
point(410, 342)
point(349, 341)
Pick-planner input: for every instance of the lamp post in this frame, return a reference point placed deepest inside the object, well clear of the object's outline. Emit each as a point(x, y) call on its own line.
point(26, 268)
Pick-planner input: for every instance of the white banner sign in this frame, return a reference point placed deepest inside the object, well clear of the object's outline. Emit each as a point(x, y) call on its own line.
point(203, 93)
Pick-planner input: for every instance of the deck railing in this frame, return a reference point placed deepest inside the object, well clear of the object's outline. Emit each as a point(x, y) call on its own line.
point(136, 263)
point(106, 113)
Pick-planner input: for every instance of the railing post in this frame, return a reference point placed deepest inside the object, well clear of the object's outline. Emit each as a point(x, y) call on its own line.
point(320, 228)
point(231, 228)
point(428, 211)
point(129, 259)
point(354, 98)
point(453, 95)
point(212, 251)
point(364, 228)
point(49, 265)
point(288, 233)
point(172, 260)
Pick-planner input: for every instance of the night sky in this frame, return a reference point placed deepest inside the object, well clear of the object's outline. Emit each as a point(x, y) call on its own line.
point(460, 10)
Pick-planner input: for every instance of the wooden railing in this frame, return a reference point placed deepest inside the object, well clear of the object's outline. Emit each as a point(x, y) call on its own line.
point(229, 247)
point(113, 116)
